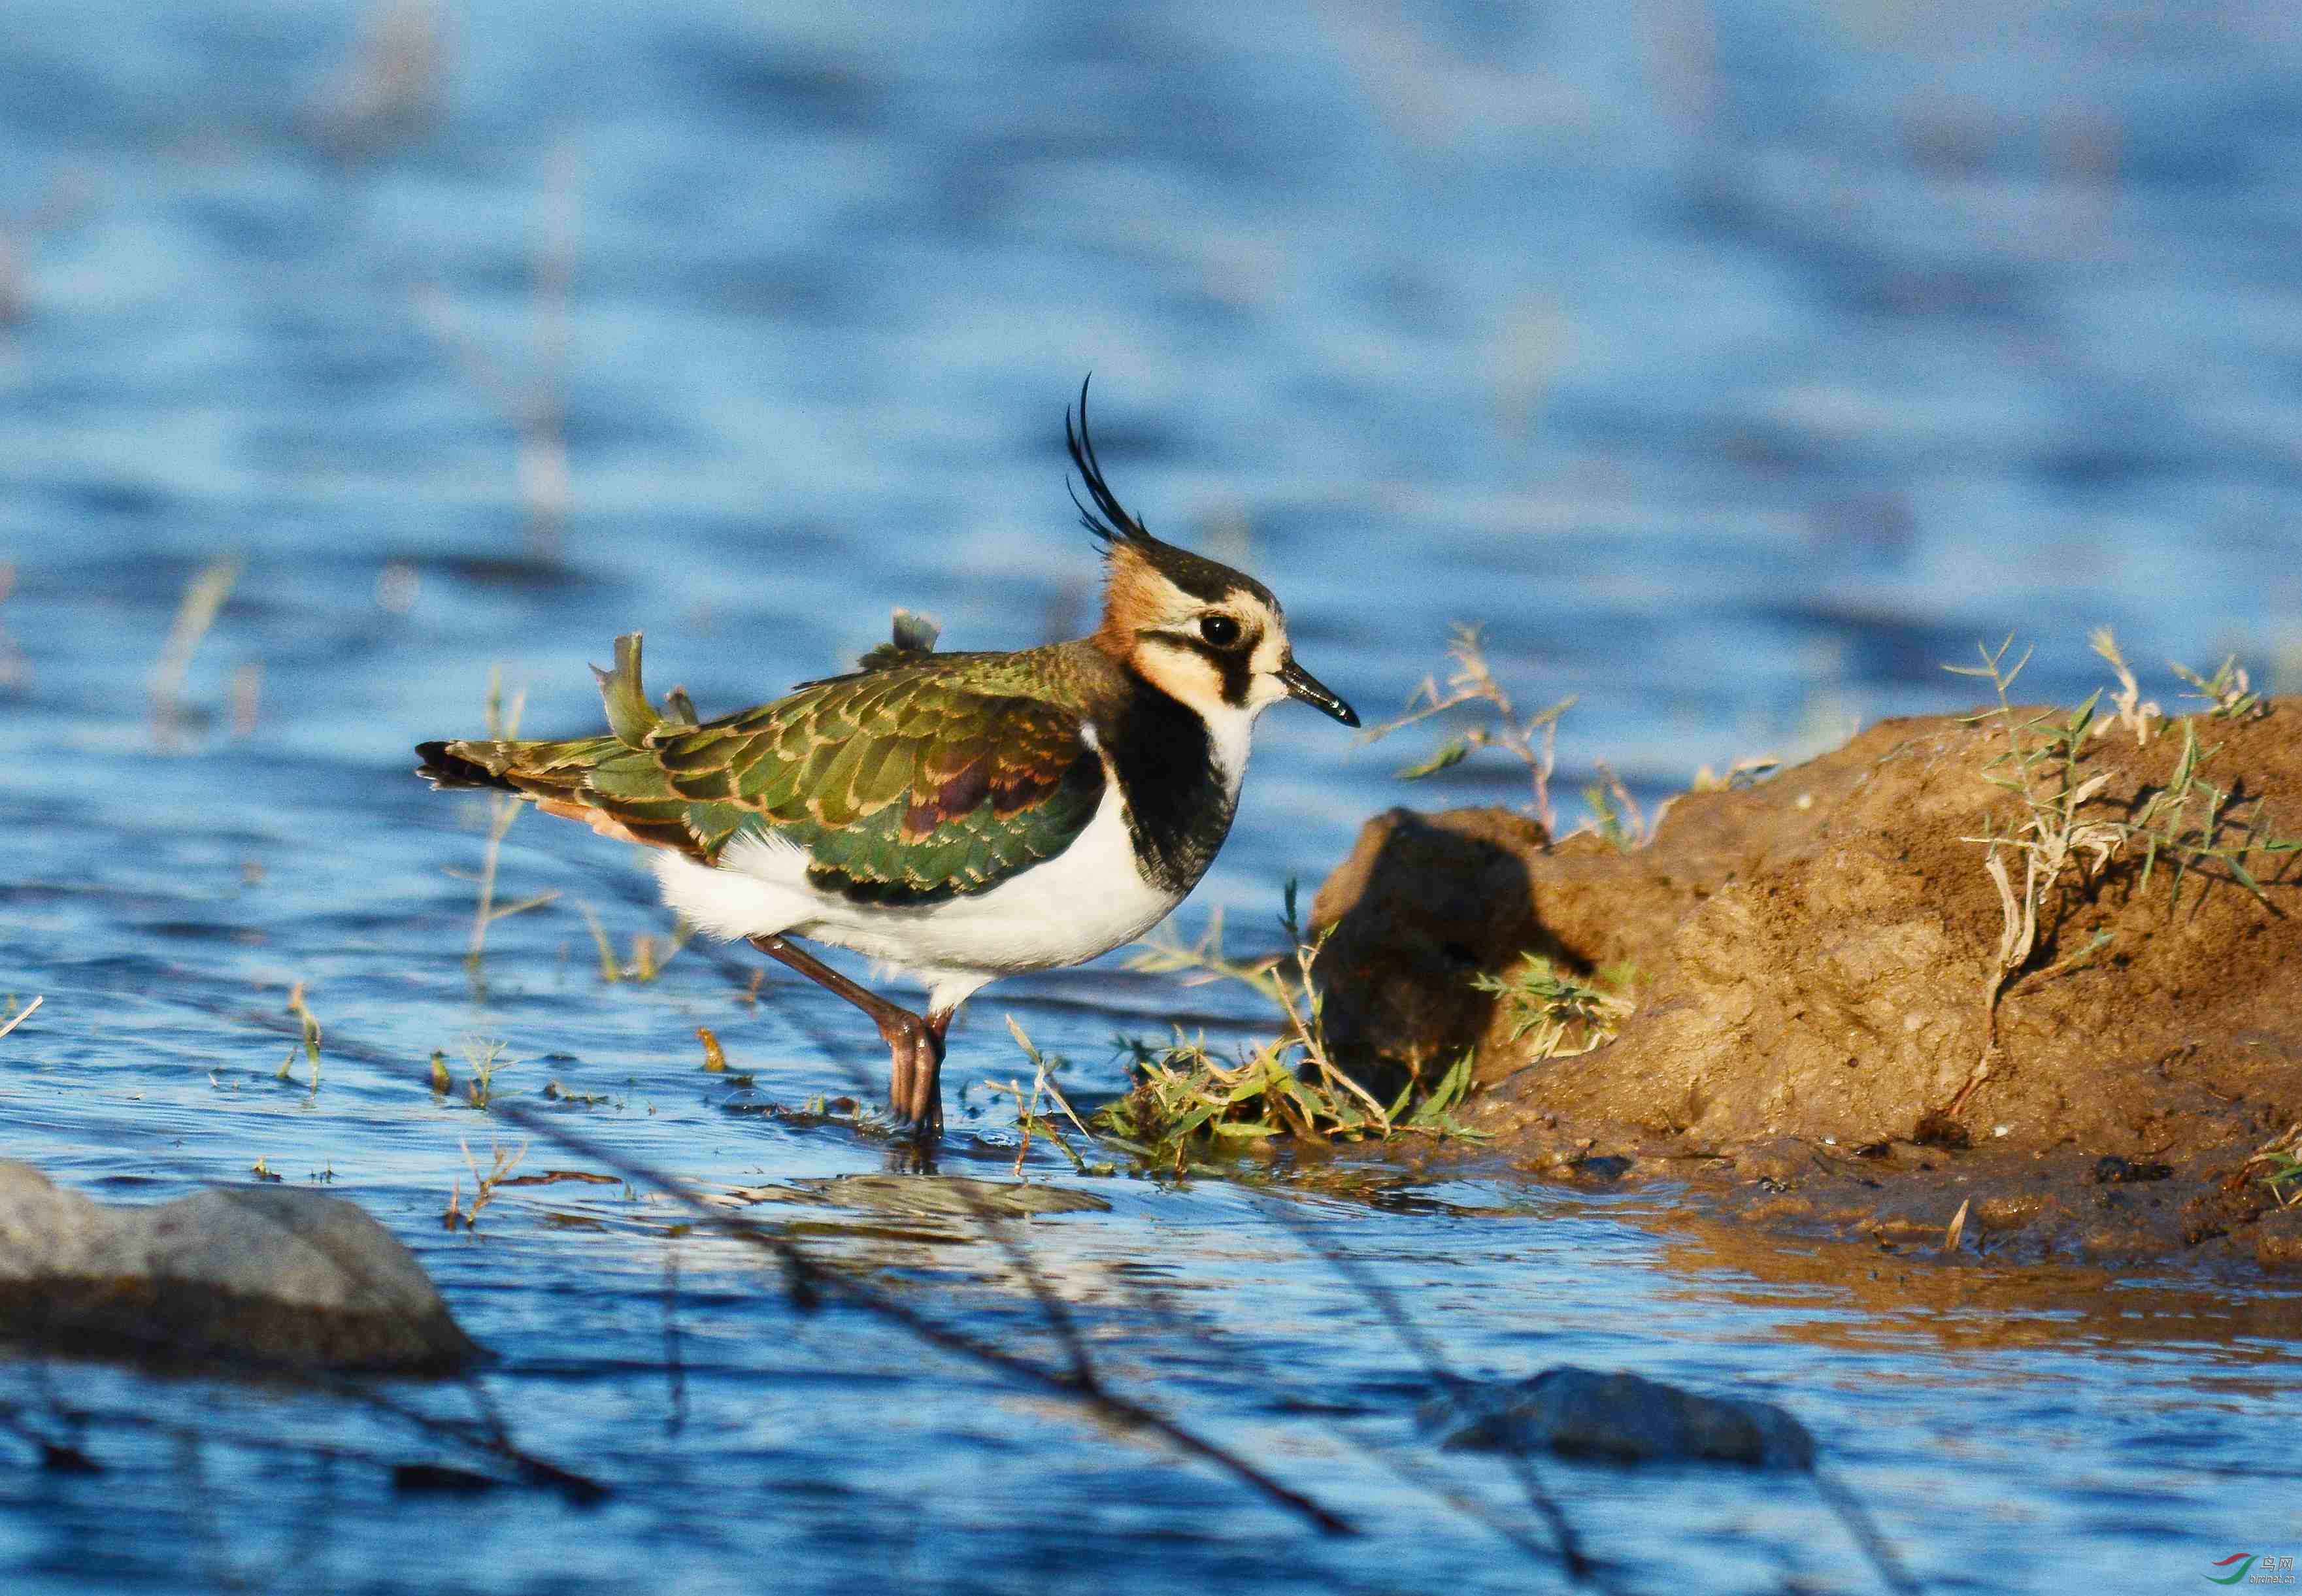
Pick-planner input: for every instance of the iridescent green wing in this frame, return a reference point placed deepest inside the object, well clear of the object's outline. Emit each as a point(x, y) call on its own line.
point(903, 785)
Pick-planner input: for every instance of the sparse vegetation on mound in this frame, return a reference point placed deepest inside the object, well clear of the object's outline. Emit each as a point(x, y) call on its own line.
point(1992, 950)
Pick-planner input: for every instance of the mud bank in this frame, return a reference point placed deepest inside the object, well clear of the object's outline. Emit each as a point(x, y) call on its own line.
point(1813, 958)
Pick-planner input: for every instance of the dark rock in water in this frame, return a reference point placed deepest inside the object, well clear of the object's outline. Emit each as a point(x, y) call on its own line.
point(1782, 1161)
point(269, 1277)
point(2112, 1170)
point(1623, 1418)
point(1936, 1129)
point(2278, 1240)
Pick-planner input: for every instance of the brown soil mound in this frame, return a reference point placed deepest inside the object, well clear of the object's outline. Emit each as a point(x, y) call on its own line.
point(1813, 956)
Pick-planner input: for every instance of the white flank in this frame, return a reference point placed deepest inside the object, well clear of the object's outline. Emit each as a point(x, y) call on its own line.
point(1087, 900)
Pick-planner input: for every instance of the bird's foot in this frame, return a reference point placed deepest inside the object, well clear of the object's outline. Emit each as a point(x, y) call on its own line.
point(915, 1049)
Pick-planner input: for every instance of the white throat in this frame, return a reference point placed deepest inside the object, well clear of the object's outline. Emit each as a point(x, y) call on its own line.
point(1230, 737)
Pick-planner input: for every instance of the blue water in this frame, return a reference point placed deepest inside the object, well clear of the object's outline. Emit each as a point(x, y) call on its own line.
point(1737, 366)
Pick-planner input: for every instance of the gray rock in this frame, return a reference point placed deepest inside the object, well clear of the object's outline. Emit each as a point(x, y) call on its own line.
point(1622, 1419)
point(268, 1276)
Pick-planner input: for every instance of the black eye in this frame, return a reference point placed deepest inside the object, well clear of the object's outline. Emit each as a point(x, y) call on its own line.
point(1220, 630)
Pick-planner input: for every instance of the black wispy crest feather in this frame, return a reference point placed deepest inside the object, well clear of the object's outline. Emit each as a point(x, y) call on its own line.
point(1203, 579)
point(1109, 521)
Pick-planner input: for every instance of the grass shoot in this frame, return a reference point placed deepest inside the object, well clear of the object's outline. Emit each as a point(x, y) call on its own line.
point(202, 601)
point(1562, 1015)
point(503, 810)
point(1028, 1115)
point(310, 1043)
point(2280, 1160)
point(1530, 739)
point(485, 1057)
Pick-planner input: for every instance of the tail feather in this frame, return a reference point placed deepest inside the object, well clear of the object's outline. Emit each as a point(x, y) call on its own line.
point(612, 784)
point(445, 766)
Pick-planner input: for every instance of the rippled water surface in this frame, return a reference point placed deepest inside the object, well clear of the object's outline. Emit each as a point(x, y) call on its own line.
point(1736, 366)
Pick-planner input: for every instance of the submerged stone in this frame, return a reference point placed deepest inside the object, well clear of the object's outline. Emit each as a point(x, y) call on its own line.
point(264, 1277)
point(1622, 1419)
point(957, 1195)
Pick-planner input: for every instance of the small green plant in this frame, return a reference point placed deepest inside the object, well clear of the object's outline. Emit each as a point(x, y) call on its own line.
point(2228, 694)
point(1615, 814)
point(1531, 739)
point(1564, 1015)
point(2280, 1160)
point(485, 1057)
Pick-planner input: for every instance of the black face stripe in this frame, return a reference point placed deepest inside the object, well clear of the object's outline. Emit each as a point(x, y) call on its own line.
point(1235, 663)
point(1178, 812)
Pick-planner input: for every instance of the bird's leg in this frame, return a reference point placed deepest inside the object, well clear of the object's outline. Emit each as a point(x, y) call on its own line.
point(914, 1046)
point(931, 1052)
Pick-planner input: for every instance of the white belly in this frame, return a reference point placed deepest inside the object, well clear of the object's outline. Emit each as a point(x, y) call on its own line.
point(1088, 900)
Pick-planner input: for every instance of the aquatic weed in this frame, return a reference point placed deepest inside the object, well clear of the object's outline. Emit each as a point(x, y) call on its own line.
point(485, 1056)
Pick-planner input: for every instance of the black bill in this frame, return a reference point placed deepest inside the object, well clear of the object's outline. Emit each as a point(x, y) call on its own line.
point(1301, 684)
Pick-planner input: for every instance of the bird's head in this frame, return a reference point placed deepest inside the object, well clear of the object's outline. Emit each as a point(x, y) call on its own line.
point(1211, 637)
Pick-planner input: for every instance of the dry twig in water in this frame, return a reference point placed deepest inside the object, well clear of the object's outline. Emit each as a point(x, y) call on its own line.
point(1531, 739)
point(20, 1015)
point(203, 602)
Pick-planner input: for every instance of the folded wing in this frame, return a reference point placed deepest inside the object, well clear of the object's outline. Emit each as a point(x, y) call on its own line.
point(903, 785)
